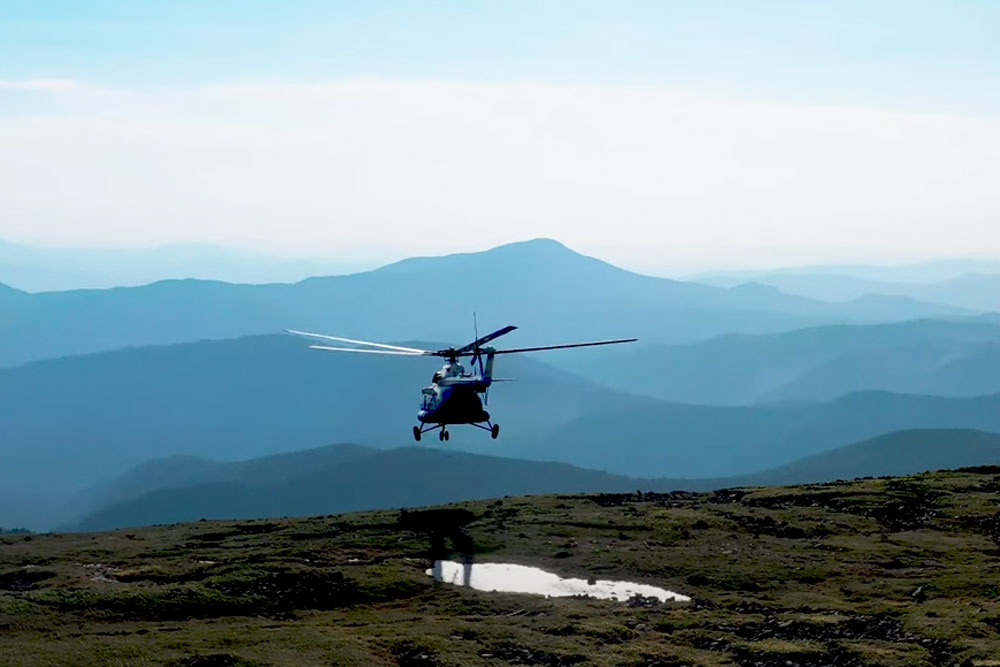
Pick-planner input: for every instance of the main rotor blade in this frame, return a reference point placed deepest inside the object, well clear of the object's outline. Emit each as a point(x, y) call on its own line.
point(563, 347)
point(383, 346)
point(479, 342)
point(397, 353)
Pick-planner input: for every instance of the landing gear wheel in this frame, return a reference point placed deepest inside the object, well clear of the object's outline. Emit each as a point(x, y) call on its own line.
point(495, 431)
point(441, 436)
point(447, 436)
point(416, 433)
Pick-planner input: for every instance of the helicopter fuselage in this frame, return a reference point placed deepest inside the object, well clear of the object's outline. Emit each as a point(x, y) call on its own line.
point(453, 397)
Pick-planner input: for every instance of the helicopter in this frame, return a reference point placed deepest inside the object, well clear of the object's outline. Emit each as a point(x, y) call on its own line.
point(453, 395)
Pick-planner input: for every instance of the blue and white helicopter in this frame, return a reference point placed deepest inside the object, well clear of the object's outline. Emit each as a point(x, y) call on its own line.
point(453, 395)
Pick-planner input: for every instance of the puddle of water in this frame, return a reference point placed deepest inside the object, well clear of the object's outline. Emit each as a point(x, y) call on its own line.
point(509, 578)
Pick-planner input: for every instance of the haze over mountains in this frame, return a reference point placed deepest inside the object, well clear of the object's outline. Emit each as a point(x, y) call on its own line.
point(944, 358)
point(35, 269)
point(679, 440)
point(42, 269)
point(930, 271)
point(966, 284)
point(725, 381)
point(547, 289)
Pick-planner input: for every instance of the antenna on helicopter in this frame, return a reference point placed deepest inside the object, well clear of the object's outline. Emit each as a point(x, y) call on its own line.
point(452, 397)
point(478, 357)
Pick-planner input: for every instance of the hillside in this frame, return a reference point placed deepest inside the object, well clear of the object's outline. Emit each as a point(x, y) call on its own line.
point(676, 440)
point(9, 294)
point(536, 285)
point(41, 269)
point(187, 471)
point(345, 478)
point(932, 368)
point(899, 453)
point(942, 358)
point(401, 477)
point(973, 285)
point(887, 573)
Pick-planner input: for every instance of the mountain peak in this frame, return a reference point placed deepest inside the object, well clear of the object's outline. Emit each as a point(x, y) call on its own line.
point(7, 289)
point(533, 246)
point(540, 243)
point(510, 256)
point(754, 287)
point(540, 248)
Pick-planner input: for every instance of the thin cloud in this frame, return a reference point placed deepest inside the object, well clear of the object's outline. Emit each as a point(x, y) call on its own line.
point(647, 177)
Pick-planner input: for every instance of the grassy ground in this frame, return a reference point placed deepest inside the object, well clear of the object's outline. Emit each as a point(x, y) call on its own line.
point(873, 572)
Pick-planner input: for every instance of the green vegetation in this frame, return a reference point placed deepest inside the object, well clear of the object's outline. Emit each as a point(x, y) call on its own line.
point(887, 572)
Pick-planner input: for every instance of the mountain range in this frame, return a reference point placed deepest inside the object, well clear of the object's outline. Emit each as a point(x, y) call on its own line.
point(944, 358)
point(550, 291)
point(74, 422)
point(39, 269)
point(77, 419)
point(970, 284)
point(347, 478)
point(679, 440)
point(369, 479)
point(725, 381)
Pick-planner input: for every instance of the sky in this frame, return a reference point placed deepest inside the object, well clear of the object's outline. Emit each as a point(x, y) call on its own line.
point(666, 136)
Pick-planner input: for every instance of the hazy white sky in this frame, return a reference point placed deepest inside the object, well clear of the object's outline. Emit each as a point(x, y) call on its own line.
point(653, 172)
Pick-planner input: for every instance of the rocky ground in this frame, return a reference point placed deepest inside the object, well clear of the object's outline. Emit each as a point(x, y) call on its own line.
point(872, 572)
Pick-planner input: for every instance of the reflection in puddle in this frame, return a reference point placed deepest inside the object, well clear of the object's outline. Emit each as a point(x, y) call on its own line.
point(508, 578)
